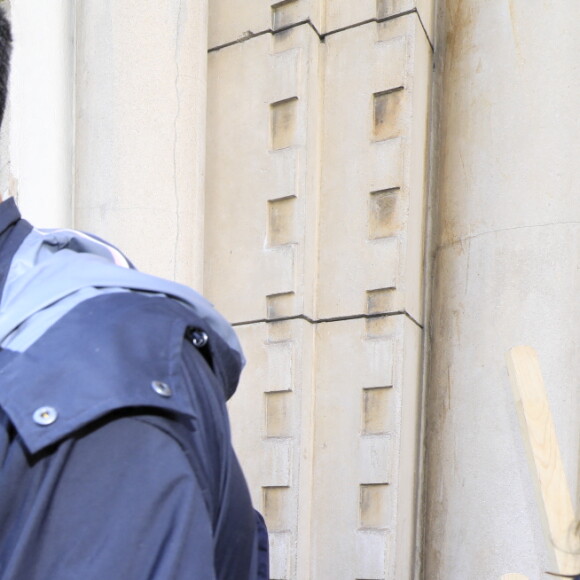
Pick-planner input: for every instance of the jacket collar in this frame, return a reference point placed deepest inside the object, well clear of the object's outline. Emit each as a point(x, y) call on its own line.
point(9, 214)
point(13, 230)
point(73, 265)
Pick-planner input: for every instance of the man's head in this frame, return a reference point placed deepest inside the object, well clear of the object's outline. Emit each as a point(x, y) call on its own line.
point(5, 50)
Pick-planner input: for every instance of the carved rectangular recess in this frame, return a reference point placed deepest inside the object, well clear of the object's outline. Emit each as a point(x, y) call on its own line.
point(374, 506)
point(384, 219)
point(279, 413)
point(387, 113)
point(276, 508)
point(284, 13)
point(281, 221)
point(381, 300)
point(280, 305)
point(376, 410)
point(283, 123)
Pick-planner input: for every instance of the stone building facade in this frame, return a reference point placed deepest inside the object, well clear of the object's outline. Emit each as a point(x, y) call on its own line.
point(380, 195)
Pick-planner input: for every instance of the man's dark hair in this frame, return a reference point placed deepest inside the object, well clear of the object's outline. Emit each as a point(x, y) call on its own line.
point(5, 51)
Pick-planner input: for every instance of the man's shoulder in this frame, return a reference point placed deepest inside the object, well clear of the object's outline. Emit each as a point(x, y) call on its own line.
point(115, 351)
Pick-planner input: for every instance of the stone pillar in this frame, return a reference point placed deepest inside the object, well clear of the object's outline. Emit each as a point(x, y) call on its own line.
point(40, 119)
point(317, 140)
point(507, 258)
point(140, 130)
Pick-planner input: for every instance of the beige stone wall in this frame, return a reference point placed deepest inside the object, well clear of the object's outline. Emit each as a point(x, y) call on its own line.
point(506, 272)
point(306, 225)
point(307, 230)
point(315, 206)
point(140, 91)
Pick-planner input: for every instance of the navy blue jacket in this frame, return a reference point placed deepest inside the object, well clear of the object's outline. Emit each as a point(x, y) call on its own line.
point(115, 452)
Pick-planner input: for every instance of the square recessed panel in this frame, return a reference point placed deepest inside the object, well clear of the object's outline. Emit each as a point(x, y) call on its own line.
point(281, 221)
point(276, 508)
point(387, 114)
point(376, 410)
point(384, 212)
point(381, 300)
point(283, 123)
point(285, 13)
point(280, 305)
point(374, 506)
point(279, 413)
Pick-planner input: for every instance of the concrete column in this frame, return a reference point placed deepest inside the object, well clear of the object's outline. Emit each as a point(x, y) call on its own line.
point(140, 130)
point(318, 126)
point(507, 273)
point(41, 110)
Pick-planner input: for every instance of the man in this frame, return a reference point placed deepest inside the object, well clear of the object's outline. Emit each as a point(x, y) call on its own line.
point(115, 452)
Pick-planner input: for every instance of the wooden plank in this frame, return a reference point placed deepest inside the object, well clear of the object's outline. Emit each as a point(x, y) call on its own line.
point(544, 458)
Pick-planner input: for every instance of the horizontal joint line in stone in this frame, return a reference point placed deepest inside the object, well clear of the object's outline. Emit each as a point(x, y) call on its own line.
point(331, 319)
point(369, 21)
point(249, 35)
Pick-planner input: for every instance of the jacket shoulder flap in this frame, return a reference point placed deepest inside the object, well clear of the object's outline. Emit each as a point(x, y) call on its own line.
point(111, 352)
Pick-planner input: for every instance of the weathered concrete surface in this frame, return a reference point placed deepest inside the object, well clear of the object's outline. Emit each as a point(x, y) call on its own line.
point(272, 434)
point(365, 448)
point(322, 207)
point(316, 191)
point(506, 274)
point(262, 176)
point(372, 198)
point(325, 422)
point(140, 130)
